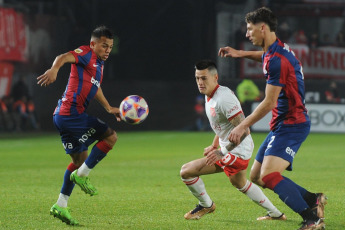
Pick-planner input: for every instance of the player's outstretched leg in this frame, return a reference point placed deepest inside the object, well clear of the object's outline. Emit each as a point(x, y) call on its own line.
point(292, 197)
point(316, 201)
point(63, 214)
point(84, 183)
point(197, 188)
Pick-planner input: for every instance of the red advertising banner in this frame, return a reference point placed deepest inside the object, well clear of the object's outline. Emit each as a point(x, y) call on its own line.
point(323, 62)
point(13, 44)
point(6, 72)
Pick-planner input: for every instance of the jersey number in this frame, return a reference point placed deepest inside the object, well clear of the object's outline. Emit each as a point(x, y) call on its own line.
point(270, 143)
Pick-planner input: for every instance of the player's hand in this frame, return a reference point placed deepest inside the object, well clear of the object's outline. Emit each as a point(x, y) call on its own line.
point(116, 112)
point(228, 52)
point(208, 149)
point(47, 78)
point(214, 156)
point(236, 134)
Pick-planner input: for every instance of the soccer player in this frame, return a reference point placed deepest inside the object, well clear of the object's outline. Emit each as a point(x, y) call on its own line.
point(224, 113)
point(77, 129)
point(290, 124)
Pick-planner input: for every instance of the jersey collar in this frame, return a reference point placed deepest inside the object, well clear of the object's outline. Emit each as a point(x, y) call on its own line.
point(215, 89)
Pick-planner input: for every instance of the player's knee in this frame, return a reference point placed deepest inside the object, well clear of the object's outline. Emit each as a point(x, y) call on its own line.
point(238, 183)
point(255, 178)
point(111, 139)
point(184, 172)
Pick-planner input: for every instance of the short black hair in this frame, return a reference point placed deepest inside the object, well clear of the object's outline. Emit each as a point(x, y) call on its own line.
point(264, 15)
point(206, 64)
point(102, 31)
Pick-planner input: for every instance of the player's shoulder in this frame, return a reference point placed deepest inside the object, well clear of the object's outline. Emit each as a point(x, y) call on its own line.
point(225, 90)
point(283, 49)
point(81, 50)
point(225, 94)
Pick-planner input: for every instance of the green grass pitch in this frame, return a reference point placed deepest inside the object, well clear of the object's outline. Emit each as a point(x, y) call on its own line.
point(140, 187)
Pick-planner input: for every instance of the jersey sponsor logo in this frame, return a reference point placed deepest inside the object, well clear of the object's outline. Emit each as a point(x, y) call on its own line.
point(234, 109)
point(95, 82)
point(67, 145)
point(86, 135)
point(78, 51)
point(289, 151)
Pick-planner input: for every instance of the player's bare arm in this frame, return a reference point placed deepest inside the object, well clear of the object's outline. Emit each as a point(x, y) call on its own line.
point(50, 75)
point(235, 122)
point(231, 52)
point(215, 145)
point(272, 92)
point(104, 102)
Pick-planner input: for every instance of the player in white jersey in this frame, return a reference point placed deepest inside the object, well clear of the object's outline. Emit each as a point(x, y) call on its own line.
point(224, 113)
point(221, 108)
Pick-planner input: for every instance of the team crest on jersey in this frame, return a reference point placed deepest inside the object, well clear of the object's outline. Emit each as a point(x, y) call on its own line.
point(78, 51)
point(212, 112)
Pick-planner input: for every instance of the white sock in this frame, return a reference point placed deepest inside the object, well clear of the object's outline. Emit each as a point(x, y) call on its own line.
point(197, 188)
point(62, 200)
point(256, 194)
point(83, 170)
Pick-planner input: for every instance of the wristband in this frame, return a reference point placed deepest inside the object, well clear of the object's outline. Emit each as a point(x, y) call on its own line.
point(224, 150)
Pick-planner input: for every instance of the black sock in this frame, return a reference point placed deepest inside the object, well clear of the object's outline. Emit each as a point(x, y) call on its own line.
point(310, 198)
point(308, 214)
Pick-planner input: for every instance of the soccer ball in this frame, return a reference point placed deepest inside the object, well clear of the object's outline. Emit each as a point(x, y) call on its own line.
point(134, 109)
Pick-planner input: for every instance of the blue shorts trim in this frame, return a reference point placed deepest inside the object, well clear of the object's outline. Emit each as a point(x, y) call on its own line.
point(78, 132)
point(284, 142)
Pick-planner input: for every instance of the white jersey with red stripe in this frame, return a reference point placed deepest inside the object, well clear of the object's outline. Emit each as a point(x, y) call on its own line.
point(220, 108)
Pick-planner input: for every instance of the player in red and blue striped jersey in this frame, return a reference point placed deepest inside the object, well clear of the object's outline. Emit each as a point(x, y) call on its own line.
point(77, 129)
point(290, 124)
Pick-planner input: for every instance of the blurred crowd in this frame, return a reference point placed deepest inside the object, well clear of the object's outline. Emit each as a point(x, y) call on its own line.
point(298, 36)
point(313, 40)
point(17, 110)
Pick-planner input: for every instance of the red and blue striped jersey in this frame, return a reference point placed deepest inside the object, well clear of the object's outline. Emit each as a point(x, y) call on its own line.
point(84, 80)
point(282, 68)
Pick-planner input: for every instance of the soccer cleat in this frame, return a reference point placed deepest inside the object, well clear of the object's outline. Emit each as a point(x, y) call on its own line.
point(63, 214)
point(199, 211)
point(312, 225)
point(84, 183)
point(268, 217)
point(319, 207)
